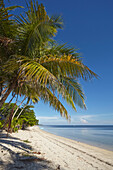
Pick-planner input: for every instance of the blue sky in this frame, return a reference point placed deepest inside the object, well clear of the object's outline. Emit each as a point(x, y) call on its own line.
point(88, 26)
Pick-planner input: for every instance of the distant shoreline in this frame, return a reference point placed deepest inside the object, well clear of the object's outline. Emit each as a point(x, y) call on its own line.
point(77, 125)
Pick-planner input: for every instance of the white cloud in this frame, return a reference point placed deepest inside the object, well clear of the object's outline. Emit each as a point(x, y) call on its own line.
point(87, 116)
point(75, 119)
point(46, 118)
point(83, 121)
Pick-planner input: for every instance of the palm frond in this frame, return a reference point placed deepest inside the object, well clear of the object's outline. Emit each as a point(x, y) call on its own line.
point(48, 97)
point(75, 90)
point(36, 72)
point(67, 65)
point(37, 27)
point(7, 26)
point(30, 58)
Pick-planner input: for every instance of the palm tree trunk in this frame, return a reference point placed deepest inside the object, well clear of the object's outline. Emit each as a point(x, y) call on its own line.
point(7, 94)
point(8, 104)
point(2, 92)
point(18, 107)
point(10, 119)
point(9, 116)
point(21, 111)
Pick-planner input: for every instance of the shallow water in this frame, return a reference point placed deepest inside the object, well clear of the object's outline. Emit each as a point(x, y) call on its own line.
point(100, 136)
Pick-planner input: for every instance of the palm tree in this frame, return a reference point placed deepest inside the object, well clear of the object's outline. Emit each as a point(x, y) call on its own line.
point(7, 47)
point(34, 59)
point(26, 108)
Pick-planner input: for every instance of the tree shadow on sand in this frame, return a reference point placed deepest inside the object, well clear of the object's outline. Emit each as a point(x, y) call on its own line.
point(24, 159)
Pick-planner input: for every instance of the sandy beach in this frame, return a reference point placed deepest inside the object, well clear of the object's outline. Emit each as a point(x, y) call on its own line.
point(36, 149)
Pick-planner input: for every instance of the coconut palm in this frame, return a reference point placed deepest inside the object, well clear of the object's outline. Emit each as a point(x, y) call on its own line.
point(34, 59)
point(7, 46)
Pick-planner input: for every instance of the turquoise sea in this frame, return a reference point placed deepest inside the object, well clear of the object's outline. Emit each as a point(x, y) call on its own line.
point(100, 136)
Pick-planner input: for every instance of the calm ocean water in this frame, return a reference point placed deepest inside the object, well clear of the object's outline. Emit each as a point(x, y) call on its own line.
point(100, 136)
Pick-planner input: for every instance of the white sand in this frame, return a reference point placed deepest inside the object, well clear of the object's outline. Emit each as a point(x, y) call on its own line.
point(50, 152)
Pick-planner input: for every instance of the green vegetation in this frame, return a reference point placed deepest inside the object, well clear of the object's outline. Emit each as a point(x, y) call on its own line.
point(27, 117)
point(33, 65)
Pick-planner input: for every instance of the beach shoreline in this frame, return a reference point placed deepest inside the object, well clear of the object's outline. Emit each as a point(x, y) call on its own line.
point(76, 141)
point(55, 152)
point(80, 140)
point(98, 136)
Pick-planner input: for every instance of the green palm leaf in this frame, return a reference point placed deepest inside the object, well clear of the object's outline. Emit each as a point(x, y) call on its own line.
point(34, 65)
point(75, 90)
point(48, 97)
point(36, 27)
point(68, 66)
